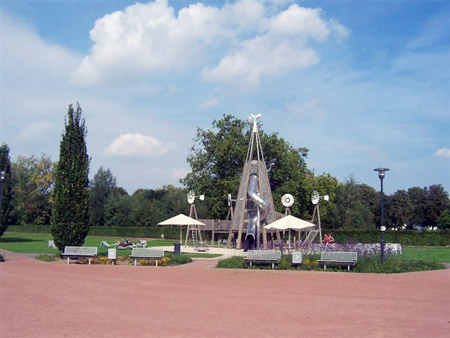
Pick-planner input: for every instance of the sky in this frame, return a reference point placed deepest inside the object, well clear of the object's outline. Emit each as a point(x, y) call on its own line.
point(361, 84)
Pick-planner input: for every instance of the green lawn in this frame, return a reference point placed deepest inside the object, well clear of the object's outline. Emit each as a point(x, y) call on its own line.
point(439, 254)
point(37, 243)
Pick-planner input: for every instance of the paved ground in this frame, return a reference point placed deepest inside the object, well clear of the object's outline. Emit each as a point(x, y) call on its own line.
point(195, 300)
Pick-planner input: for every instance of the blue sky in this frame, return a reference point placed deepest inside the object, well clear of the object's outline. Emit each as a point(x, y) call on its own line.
point(361, 84)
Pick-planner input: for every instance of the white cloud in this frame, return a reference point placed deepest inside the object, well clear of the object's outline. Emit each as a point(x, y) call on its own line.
point(237, 43)
point(212, 102)
point(180, 173)
point(443, 152)
point(137, 145)
point(34, 131)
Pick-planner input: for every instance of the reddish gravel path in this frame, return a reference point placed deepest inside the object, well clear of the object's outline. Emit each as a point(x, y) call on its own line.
point(57, 300)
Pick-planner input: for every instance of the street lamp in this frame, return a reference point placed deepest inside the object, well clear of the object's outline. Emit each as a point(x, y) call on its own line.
point(381, 174)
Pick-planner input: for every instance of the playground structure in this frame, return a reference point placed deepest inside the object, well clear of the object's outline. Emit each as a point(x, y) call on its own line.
point(253, 207)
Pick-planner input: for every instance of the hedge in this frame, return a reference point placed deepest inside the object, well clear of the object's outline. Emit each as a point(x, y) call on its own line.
point(406, 237)
point(147, 232)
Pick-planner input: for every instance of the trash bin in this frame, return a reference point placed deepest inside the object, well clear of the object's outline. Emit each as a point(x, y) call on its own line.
point(177, 248)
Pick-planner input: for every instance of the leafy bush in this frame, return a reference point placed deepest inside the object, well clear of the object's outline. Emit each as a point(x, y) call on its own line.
point(285, 263)
point(234, 262)
point(404, 237)
point(177, 259)
point(47, 258)
point(371, 264)
point(394, 264)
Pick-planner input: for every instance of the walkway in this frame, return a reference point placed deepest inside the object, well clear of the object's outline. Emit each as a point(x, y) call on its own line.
point(197, 300)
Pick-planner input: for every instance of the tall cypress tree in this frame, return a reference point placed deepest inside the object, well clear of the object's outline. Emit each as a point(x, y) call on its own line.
point(6, 205)
point(70, 220)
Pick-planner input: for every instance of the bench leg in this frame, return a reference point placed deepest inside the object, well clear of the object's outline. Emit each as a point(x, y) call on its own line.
point(348, 268)
point(272, 266)
point(134, 262)
point(250, 264)
point(68, 260)
point(324, 266)
point(156, 262)
point(89, 261)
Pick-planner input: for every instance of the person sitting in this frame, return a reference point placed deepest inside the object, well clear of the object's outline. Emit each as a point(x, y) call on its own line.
point(326, 239)
point(330, 239)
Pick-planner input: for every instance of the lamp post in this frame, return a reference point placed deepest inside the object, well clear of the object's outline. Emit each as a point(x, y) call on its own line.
point(381, 174)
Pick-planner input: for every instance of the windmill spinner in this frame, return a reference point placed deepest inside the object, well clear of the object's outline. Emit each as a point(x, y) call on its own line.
point(315, 197)
point(191, 197)
point(287, 200)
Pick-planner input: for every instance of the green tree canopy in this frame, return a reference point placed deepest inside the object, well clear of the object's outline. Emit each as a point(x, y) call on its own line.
point(217, 159)
point(70, 220)
point(6, 191)
point(102, 186)
point(32, 190)
point(354, 206)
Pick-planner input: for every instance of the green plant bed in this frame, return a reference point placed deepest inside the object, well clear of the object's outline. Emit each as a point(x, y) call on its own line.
point(47, 258)
point(177, 259)
point(234, 262)
point(392, 264)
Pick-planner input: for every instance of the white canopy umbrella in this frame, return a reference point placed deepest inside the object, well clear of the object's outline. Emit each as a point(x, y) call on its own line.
point(181, 220)
point(290, 222)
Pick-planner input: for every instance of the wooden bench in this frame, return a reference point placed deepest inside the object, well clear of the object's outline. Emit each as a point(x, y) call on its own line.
point(263, 257)
point(338, 259)
point(146, 253)
point(79, 252)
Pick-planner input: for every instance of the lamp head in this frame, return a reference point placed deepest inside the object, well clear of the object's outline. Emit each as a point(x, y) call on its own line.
point(381, 172)
point(2, 177)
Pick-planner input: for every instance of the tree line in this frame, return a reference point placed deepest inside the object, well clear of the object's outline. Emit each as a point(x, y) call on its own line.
point(39, 191)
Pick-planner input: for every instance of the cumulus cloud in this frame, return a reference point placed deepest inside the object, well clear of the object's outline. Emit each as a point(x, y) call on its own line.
point(35, 130)
point(180, 173)
point(443, 152)
point(137, 145)
point(238, 43)
point(212, 102)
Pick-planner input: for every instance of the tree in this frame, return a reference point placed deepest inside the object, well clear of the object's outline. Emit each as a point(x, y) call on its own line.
point(218, 156)
point(103, 185)
point(418, 197)
point(70, 221)
point(32, 189)
point(444, 221)
point(117, 211)
point(438, 202)
point(6, 191)
point(354, 206)
point(216, 161)
point(399, 209)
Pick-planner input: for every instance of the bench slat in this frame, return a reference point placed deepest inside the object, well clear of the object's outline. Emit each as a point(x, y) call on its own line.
point(263, 257)
point(338, 258)
point(146, 253)
point(79, 252)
